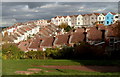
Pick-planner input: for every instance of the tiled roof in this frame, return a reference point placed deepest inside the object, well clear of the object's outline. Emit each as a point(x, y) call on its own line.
point(79, 30)
point(76, 37)
point(101, 27)
point(94, 34)
point(76, 15)
point(59, 16)
point(64, 16)
point(23, 45)
point(21, 32)
point(113, 13)
point(110, 32)
point(35, 44)
point(62, 39)
point(47, 42)
point(104, 13)
point(97, 13)
point(16, 34)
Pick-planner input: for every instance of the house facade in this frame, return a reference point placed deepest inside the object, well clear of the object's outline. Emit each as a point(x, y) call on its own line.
point(115, 18)
point(73, 20)
point(101, 19)
point(109, 19)
point(79, 20)
point(93, 18)
point(68, 20)
point(86, 19)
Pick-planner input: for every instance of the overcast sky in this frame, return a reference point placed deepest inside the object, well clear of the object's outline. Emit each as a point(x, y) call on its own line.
point(13, 12)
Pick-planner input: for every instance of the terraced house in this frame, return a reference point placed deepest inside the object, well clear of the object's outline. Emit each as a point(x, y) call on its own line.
point(109, 18)
point(86, 19)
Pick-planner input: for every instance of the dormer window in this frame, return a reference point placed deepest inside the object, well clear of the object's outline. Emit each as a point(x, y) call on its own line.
point(116, 16)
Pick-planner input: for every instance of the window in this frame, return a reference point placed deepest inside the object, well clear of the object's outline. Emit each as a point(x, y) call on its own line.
point(99, 18)
point(103, 17)
point(107, 22)
point(102, 22)
point(78, 22)
point(78, 18)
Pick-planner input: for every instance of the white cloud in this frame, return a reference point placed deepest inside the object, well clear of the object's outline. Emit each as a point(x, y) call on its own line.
point(53, 5)
point(99, 10)
point(82, 7)
point(80, 10)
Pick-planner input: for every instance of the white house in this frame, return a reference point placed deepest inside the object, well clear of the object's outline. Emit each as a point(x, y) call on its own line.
point(53, 20)
point(41, 22)
point(68, 20)
point(115, 18)
point(62, 20)
point(56, 20)
point(79, 20)
point(101, 18)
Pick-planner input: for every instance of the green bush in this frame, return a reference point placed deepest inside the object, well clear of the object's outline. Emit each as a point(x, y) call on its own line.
point(11, 51)
point(34, 55)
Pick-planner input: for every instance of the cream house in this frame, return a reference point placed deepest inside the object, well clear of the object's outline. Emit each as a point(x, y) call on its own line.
point(93, 18)
point(73, 21)
point(86, 19)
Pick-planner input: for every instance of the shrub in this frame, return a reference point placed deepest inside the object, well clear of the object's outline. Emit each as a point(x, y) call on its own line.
point(11, 51)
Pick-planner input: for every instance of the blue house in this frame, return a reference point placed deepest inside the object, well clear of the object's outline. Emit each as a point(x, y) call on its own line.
point(109, 18)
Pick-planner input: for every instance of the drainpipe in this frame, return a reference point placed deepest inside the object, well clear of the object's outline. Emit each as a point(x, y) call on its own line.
point(85, 38)
point(85, 34)
point(103, 35)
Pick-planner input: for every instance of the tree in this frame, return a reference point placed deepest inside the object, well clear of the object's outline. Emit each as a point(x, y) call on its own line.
point(63, 25)
point(11, 51)
point(52, 52)
point(68, 28)
point(34, 55)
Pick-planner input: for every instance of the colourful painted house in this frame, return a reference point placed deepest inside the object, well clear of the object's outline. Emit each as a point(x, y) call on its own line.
point(109, 18)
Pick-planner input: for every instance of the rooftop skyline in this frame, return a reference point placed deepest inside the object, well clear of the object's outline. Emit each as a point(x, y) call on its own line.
point(13, 12)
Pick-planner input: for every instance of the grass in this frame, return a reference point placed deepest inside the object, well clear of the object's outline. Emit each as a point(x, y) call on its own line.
point(10, 66)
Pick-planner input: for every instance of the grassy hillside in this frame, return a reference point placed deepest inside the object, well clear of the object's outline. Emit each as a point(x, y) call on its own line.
point(10, 66)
